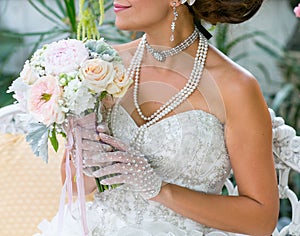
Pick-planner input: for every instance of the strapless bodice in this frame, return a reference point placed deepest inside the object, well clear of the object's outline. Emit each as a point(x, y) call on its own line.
point(187, 149)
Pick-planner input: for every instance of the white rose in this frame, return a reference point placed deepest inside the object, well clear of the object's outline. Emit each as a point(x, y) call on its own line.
point(97, 74)
point(28, 75)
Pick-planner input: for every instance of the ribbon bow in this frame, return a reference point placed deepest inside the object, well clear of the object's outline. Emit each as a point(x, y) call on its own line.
point(190, 2)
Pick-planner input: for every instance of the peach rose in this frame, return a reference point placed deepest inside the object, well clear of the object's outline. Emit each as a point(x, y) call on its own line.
point(97, 74)
point(121, 83)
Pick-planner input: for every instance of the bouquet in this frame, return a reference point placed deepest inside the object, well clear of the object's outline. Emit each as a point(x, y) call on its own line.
point(63, 82)
point(60, 84)
point(64, 79)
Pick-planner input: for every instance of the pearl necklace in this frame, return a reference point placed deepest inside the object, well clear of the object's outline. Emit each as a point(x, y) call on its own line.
point(162, 55)
point(176, 100)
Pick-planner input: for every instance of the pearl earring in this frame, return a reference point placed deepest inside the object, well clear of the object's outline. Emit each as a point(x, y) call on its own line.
point(173, 24)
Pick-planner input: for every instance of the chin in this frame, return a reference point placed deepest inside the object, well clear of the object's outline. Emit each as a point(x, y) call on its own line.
point(126, 25)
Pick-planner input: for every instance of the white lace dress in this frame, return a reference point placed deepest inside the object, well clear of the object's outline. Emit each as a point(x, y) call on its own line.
point(187, 149)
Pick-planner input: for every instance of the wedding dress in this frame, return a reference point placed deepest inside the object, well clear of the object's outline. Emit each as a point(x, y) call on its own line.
point(187, 149)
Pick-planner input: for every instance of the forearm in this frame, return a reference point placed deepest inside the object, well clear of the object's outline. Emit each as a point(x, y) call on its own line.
point(89, 183)
point(239, 214)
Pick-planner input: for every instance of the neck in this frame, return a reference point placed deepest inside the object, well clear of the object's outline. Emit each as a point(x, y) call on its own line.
point(160, 34)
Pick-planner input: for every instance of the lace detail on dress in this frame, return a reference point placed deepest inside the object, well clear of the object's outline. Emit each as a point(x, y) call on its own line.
point(187, 149)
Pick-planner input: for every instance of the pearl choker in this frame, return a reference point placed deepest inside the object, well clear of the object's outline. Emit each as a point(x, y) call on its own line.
point(162, 55)
point(195, 76)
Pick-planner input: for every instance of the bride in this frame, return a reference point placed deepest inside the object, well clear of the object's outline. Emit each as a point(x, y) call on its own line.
point(190, 117)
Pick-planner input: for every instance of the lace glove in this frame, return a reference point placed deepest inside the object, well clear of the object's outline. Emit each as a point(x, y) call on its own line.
point(91, 144)
point(128, 167)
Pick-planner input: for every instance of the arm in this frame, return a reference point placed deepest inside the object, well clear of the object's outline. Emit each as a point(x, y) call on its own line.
point(248, 135)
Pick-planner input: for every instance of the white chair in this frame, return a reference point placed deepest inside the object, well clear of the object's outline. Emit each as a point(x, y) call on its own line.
point(286, 149)
point(10, 120)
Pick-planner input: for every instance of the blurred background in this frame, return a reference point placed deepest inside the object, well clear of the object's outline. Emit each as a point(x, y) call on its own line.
point(268, 45)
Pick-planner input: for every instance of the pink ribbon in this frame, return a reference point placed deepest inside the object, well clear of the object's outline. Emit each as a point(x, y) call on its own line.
point(67, 187)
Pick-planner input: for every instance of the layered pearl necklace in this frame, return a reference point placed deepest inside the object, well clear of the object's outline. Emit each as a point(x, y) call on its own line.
point(195, 76)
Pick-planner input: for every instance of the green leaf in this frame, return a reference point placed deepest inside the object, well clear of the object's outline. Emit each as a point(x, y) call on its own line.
point(50, 9)
point(281, 96)
point(271, 52)
point(243, 37)
point(240, 56)
point(103, 94)
point(43, 13)
point(71, 13)
point(60, 7)
point(53, 140)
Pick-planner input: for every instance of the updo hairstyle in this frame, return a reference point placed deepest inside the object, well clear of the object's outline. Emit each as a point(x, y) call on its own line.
point(224, 11)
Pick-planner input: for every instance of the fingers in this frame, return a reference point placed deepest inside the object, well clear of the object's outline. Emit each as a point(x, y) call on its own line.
point(118, 156)
point(103, 128)
point(116, 143)
point(120, 168)
point(89, 134)
point(95, 147)
point(94, 159)
point(118, 179)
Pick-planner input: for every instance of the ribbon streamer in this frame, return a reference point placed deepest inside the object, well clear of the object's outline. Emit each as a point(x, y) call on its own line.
point(67, 187)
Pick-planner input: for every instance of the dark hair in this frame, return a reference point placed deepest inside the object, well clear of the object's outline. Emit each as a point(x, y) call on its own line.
point(225, 11)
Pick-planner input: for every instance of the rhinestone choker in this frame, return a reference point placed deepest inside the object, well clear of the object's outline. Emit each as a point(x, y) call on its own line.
point(162, 55)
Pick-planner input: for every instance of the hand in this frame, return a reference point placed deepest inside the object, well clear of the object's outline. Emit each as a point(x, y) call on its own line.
point(90, 141)
point(129, 167)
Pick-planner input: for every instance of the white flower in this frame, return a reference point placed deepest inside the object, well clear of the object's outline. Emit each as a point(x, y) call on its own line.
point(20, 88)
point(190, 2)
point(78, 98)
point(64, 56)
point(28, 75)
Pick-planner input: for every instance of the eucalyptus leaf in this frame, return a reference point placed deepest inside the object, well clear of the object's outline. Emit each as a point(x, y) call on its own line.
point(37, 137)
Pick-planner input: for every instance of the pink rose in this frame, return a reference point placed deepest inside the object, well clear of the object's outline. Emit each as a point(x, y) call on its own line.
point(97, 74)
point(65, 56)
point(43, 101)
point(28, 75)
point(297, 11)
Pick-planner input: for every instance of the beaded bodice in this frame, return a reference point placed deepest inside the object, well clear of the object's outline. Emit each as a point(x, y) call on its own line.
point(187, 149)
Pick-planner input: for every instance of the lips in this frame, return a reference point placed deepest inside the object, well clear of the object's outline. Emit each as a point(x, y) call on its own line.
point(119, 7)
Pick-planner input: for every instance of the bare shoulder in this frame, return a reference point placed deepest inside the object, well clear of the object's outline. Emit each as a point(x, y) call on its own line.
point(228, 74)
point(239, 88)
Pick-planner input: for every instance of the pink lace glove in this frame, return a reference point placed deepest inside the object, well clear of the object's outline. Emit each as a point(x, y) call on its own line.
point(129, 167)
